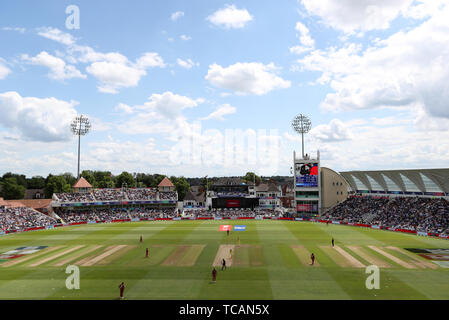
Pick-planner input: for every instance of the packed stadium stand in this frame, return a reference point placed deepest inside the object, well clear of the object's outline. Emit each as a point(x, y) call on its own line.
point(20, 218)
point(419, 214)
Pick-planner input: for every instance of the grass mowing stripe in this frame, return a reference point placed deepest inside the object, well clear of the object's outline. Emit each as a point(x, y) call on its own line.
point(191, 255)
point(53, 257)
point(31, 256)
point(393, 258)
point(109, 259)
point(414, 259)
point(368, 257)
point(96, 259)
point(351, 259)
point(77, 255)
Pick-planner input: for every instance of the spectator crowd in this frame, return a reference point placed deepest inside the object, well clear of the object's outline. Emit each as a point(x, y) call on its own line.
point(117, 195)
point(20, 218)
point(409, 213)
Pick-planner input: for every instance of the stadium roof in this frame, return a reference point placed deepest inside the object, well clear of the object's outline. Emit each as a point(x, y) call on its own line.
point(166, 183)
point(415, 181)
point(82, 183)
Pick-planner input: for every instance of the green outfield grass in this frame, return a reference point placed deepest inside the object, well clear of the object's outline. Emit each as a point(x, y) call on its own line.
point(271, 262)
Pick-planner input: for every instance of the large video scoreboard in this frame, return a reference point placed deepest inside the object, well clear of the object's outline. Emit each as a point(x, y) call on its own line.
point(235, 202)
point(307, 187)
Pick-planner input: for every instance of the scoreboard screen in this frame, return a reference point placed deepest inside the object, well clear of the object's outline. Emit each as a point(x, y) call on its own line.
point(235, 202)
point(307, 175)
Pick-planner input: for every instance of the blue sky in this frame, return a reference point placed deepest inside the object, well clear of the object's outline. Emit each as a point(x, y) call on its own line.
point(210, 87)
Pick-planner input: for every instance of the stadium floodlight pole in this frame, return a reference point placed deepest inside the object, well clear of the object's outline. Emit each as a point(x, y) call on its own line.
point(301, 124)
point(80, 127)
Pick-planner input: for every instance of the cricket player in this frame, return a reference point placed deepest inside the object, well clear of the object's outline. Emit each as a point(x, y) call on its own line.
point(147, 253)
point(214, 275)
point(227, 232)
point(332, 242)
point(313, 258)
point(223, 265)
point(141, 239)
point(122, 289)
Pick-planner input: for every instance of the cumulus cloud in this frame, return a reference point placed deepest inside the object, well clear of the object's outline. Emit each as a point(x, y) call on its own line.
point(37, 119)
point(169, 104)
point(59, 69)
point(118, 72)
point(408, 69)
point(246, 78)
point(112, 69)
point(307, 43)
point(186, 64)
point(220, 112)
point(230, 17)
point(176, 15)
point(351, 16)
point(335, 131)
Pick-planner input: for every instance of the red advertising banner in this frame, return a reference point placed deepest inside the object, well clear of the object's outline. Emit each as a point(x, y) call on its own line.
point(225, 227)
point(233, 203)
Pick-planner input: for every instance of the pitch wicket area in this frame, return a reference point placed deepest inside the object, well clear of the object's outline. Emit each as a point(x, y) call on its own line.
point(303, 255)
point(223, 253)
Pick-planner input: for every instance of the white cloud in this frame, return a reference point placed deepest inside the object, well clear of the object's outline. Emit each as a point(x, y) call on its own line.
point(335, 131)
point(187, 64)
point(307, 43)
point(124, 108)
point(59, 70)
point(246, 78)
point(185, 38)
point(113, 70)
point(220, 112)
point(4, 70)
point(169, 104)
point(37, 119)
point(230, 17)
point(408, 70)
point(118, 72)
point(56, 35)
point(176, 15)
point(351, 16)
point(18, 29)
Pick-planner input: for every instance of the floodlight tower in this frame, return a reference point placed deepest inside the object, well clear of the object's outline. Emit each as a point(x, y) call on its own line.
point(301, 124)
point(80, 127)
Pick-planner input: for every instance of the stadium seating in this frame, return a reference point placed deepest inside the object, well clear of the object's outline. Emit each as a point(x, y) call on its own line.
point(408, 213)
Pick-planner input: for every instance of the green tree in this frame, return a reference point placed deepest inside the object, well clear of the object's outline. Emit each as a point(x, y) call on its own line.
point(36, 182)
point(125, 178)
point(20, 178)
point(181, 185)
point(11, 190)
point(249, 178)
point(69, 178)
point(90, 177)
point(56, 184)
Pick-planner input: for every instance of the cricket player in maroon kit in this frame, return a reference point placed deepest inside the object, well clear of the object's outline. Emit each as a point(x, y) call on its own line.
point(313, 258)
point(140, 238)
point(214, 275)
point(122, 289)
point(146, 253)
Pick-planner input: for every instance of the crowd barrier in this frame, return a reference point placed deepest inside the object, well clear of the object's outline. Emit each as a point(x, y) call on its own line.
point(419, 233)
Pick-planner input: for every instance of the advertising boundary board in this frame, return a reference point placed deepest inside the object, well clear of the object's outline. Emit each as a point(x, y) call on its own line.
point(419, 233)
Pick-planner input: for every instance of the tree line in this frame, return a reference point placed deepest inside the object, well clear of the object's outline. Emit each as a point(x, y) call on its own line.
point(13, 185)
